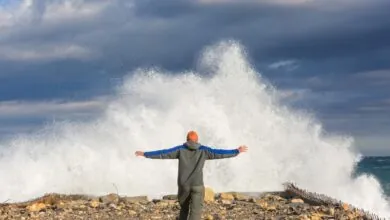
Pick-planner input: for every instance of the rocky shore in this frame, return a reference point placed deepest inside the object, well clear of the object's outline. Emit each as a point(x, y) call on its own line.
point(231, 205)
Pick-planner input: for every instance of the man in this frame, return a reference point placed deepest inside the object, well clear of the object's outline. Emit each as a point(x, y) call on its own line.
point(192, 157)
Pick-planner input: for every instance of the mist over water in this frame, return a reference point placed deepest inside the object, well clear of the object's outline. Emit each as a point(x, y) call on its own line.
point(229, 106)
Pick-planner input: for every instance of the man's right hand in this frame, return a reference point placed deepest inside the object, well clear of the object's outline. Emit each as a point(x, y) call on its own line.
point(242, 149)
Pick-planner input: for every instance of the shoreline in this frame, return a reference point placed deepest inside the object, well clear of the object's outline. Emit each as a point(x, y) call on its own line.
point(292, 203)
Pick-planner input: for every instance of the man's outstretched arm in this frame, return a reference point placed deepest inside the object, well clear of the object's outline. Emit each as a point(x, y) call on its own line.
point(213, 153)
point(170, 153)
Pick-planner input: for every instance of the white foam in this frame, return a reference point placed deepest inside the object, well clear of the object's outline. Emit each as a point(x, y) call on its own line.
point(230, 106)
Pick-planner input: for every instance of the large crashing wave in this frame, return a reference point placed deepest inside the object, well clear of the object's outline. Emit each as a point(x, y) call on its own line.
point(228, 106)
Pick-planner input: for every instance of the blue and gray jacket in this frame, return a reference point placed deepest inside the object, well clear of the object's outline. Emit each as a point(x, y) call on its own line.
point(192, 157)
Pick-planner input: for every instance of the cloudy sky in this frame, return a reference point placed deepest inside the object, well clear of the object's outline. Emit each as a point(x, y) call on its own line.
point(60, 58)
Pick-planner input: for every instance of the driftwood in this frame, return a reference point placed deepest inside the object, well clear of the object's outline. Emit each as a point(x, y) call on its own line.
point(320, 199)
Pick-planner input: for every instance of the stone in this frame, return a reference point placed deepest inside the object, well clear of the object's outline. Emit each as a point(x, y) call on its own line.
point(36, 207)
point(132, 199)
point(226, 202)
point(226, 196)
point(304, 217)
point(94, 203)
point(345, 206)
point(331, 211)
point(113, 206)
point(165, 203)
point(60, 205)
point(132, 212)
point(209, 195)
point(170, 197)
point(110, 198)
point(271, 208)
point(209, 217)
point(297, 201)
point(263, 204)
point(241, 197)
point(253, 200)
point(317, 216)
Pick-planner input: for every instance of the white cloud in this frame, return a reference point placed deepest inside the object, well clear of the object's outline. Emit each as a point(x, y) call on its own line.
point(379, 77)
point(45, 52)
point(284, 64)
point(293, 95)
point(58, 108)
point(382, 74)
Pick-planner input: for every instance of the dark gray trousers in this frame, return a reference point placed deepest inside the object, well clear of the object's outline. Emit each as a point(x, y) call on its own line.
point(191, 202)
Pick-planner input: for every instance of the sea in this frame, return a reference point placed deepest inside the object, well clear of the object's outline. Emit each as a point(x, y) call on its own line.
point(378, 167)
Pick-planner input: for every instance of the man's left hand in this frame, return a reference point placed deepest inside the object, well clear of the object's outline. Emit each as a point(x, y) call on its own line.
point(139, 153)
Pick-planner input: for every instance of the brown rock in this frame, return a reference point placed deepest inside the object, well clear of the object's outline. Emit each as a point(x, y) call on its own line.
point(110, 198)
point(304, 217)
point(241, 197)
point(271, 207)
point(317, 216)
point(165, 203)
point(297, 201)
point(209, 195)
point(209, 217)
point(263, 204)
point(331, 211)
point(226, 202)
point(226, 196)
point(61, 205)
point(134, 199)
point(132, 212)
point(253, 200)
point(170, 197)
point(94, 203)
point(36, 207)
point(345, 206)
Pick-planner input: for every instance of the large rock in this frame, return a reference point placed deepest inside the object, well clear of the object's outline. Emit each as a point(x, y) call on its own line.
point(110, 198)
point(226, 196)
point(132, 199)
point(209, 195)
point(241, 197)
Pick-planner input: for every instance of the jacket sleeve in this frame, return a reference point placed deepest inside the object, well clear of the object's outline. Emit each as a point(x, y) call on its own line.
point(212, 153)
point(171, 153)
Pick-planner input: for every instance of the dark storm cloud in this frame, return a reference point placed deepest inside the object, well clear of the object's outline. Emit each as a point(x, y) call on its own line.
point(333, 56)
